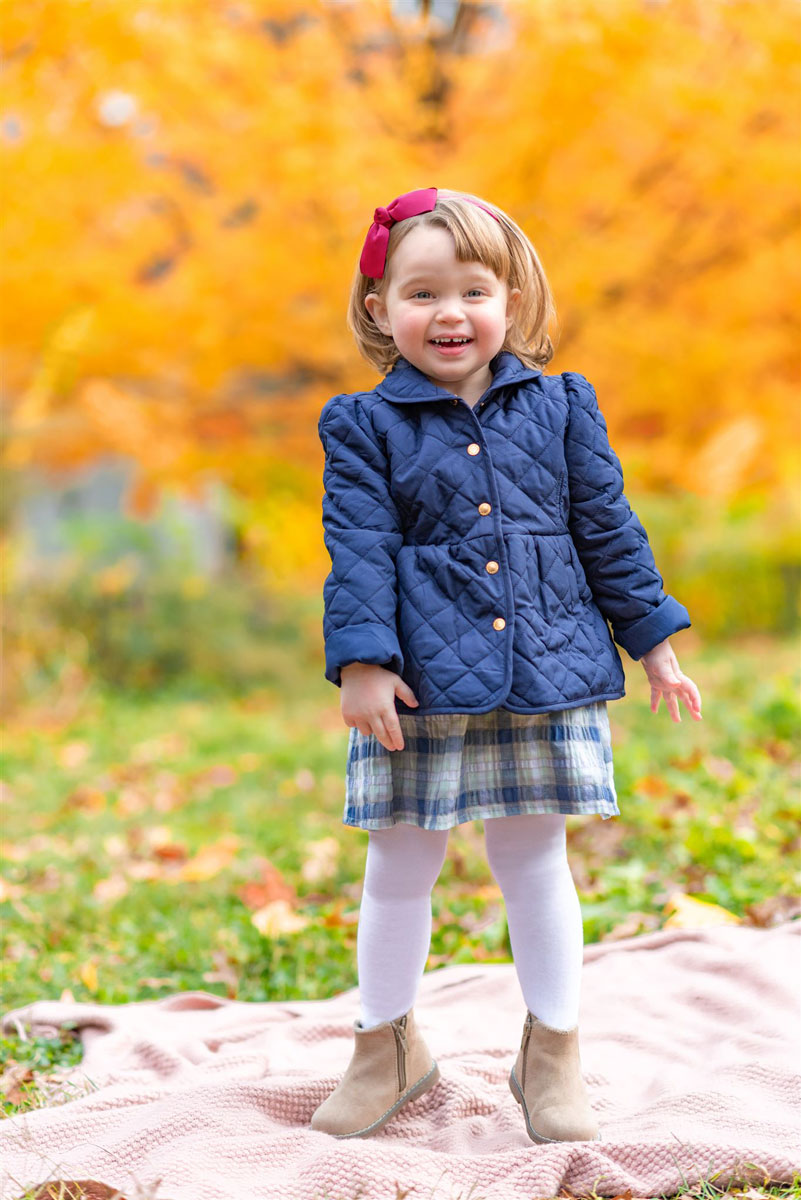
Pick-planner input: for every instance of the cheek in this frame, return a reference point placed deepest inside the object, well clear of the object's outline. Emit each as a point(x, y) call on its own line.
point(412, 322)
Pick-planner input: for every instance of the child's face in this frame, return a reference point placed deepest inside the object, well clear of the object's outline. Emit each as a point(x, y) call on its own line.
point(431, 295)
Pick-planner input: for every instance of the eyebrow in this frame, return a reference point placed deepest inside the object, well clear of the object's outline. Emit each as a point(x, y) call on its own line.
point(482, 273)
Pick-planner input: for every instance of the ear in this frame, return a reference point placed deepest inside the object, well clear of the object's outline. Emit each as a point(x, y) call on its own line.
point(512, 304)
point(378, 311)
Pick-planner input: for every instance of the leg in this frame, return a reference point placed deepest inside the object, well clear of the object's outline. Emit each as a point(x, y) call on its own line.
point(528, 857)
point(391, 1065)
point(394, 934)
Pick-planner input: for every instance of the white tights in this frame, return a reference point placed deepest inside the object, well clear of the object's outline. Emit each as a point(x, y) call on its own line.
point(528, 856)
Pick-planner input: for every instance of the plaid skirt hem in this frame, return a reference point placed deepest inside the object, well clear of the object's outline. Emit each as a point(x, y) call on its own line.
point(466, 767)
point(477, 812)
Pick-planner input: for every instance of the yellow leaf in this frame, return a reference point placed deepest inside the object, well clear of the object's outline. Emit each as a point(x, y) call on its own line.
point(277, 918)
point(687, 912)
point(88, 975)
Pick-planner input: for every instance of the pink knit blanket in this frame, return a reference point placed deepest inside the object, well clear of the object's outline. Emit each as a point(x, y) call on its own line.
point(690, 1049)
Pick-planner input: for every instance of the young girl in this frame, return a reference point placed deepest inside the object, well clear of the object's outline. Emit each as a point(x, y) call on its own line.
point(480, 541)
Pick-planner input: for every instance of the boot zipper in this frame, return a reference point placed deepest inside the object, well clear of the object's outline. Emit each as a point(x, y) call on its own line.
point(399, 1027)
point(527, 1028)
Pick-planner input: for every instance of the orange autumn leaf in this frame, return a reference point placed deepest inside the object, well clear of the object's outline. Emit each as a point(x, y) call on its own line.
point(270, 885)
point(210, 860)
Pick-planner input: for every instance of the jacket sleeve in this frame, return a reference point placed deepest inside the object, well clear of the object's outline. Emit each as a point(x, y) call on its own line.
point(362, 533)
point(611, 542)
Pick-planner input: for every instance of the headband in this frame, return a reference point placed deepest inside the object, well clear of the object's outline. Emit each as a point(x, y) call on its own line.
point(374, 252)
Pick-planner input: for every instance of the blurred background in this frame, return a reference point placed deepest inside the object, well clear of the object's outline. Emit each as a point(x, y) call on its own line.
point(188, 184)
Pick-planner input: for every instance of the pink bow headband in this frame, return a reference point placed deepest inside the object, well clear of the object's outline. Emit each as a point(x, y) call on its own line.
point(374, 252)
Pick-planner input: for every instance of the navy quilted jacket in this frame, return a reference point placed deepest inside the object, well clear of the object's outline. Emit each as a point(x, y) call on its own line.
point(480, 552)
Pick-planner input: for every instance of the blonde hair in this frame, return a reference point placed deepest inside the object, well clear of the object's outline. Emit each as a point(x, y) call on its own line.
point(499, 245)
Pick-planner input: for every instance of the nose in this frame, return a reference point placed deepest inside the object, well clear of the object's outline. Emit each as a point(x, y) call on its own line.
point(450, 309)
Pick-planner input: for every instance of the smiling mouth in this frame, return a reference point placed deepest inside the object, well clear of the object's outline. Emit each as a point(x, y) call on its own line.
point(451, 341)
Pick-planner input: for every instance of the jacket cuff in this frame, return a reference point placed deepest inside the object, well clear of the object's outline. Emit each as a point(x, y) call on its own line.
point(667, 618)
point(361, 643)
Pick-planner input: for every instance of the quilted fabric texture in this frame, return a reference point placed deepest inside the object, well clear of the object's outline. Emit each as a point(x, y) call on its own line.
point(482, 553)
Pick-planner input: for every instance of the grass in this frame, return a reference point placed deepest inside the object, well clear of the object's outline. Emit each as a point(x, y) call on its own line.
point(182, 841)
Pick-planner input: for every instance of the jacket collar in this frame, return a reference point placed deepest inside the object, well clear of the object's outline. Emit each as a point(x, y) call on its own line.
point(406, 384)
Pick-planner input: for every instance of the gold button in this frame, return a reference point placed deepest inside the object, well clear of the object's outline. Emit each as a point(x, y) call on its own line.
point(454, 400)
point(492, 566)
point(473, 448)
point(499, 623)
point(484, 508)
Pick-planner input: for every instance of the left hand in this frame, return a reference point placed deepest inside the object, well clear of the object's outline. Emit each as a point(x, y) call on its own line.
point(666, 679)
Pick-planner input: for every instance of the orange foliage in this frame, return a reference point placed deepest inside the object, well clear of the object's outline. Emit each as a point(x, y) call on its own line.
point(190, 185)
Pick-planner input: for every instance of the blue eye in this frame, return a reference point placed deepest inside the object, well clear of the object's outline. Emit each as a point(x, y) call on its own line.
point(423, 293)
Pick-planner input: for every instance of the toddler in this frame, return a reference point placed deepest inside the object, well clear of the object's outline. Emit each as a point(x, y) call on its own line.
point(481, 546)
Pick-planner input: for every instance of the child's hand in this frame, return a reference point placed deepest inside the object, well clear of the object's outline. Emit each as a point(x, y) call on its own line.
point(662, 668)
point(368, 702)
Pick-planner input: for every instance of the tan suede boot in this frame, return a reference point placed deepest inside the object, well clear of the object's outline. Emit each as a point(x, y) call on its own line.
point(546, 1082)
point(391, 1065)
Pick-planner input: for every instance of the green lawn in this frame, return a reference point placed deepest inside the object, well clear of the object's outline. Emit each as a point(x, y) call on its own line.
point(145, 839)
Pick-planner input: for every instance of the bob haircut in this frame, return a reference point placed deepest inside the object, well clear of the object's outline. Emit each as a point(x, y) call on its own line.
point(499, 245)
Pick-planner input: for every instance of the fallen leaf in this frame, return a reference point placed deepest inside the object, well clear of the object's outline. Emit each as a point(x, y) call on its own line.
point(76, 1189)
point(86, 799)
point(218, 775)
point(339, 917)
point(277, 918)
point(13, 1076)
point(719, 768)
point(774, 910)
point(688, 912)
point(321, 860)
point(88, 975)
point(224, 973)
point(10, 891)
point(171, 852)
point(210, 860)
point(115, 846)
point(13, 851)
point(112, 888)
point(270, 885)
point(651, 785)
point(634, 923)
point(132, 801)
point(143, 870)
point(73, 754)
point(153, 836)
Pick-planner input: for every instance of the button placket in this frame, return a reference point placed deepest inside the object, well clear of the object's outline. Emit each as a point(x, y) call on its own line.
point(492, 567)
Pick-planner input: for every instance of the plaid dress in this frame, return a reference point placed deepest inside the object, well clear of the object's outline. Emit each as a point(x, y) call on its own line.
point(457, 767)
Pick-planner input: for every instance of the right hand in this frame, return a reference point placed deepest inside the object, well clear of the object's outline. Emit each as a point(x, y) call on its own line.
point(368, 701)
